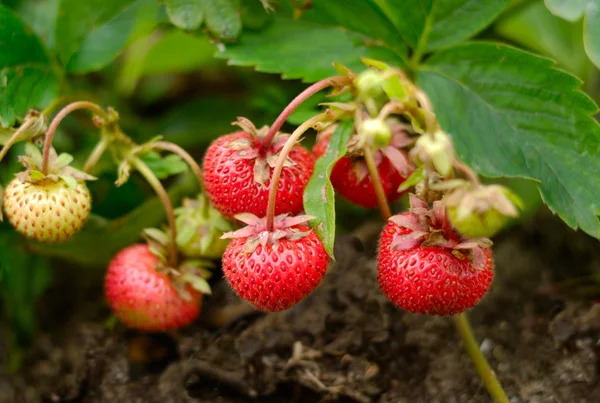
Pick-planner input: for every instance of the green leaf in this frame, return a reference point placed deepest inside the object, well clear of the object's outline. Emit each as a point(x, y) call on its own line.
point(223, 18)
point(166, 166)
point(570, 10)
point(27, 79)
point(319, 197)
point(91, 34)
point(432, 24)
point(591, 31)
point(361, 16)
point(303, 50)
point(512, 114)
point(41, 16)
point(186, 14)
point(535, 28)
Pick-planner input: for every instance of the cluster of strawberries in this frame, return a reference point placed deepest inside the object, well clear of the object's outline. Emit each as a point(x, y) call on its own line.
point(433, 259)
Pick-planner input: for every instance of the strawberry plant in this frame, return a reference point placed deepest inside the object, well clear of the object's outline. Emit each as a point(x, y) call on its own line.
point(424, 111)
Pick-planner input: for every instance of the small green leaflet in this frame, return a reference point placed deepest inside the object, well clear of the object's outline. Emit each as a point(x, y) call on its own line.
point(319, 197)
point(27, 78)
point(185, 14)
point(511, 113)
point(163, 167)
point(222, 17)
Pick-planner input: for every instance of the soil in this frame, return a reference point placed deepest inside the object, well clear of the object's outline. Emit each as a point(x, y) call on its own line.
point(344, 343)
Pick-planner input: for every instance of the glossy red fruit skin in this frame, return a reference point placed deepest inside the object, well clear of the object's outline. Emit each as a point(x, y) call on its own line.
point(430, 280)
point(276, 277)
point(345, 182)
point(143, 298)
point(231, 188)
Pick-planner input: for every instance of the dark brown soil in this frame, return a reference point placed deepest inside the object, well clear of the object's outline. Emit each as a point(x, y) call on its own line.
point(344, 343)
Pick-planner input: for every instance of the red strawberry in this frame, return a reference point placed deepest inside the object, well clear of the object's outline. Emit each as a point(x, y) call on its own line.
point(424, 267)
point(237, 172)
point(350, 177)
point(144, 297)
point(274, 270)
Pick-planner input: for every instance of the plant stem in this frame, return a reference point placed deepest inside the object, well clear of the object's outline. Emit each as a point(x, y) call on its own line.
point(483, 369)
point(13, 139)
point(174, 148)
point(58, 119)
point(300, 98)
point(472, 176)
point(287, 147)
point(377, 185)
point(153, 181)
point(96, 154)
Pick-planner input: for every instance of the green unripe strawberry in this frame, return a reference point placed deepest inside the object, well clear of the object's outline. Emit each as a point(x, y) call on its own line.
point(200, 227)
point(481, 212)
point(369, 84)
point(377, 132)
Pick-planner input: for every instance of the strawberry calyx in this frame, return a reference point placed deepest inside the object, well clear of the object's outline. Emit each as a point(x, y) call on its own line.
point(58, 168)
point(200, 226)
point(191, 272)
point(264, 155)
point(284, 227)
point(431, 227)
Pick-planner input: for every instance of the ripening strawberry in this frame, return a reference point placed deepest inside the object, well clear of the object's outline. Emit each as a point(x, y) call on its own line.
point(143, 295)
point(238, 168)
point(49, 207)
point(274, 270)
point(424, 267)
point(350, 176)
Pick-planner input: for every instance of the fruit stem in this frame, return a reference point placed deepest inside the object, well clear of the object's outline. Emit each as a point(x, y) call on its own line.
point(384, 207)
point(96, 154)
point(13, 139)
point(481, 365)
point(467, 171)
point(174, 148)
point(58, 119)
point(153, 181)
point(287, 147)
point(300, 98)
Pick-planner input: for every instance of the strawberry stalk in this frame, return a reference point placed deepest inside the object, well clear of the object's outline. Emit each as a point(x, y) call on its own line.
point(384, 206)
point(160, 191)
point(300, 98)
point(15, 137)
point(175, 149)
point(58, 119)
point(287, 147)
point(462, 167)
point(96, 154)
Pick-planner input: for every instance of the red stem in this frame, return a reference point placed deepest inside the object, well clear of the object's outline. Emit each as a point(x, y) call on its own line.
point(58, 119)
point(287, 147)
point(303, 96)
point(174, 148)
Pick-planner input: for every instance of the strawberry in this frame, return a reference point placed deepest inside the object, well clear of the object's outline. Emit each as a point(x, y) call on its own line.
point(50, 207)
point(147, 295)
point(351, 179)
point(425, 267)
point(199, 227)
point(274, 270)
point(481, 211)
point(238, 168)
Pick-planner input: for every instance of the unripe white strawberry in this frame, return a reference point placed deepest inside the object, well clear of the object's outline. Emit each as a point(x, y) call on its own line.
point(48, 212)
point(48, 207)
